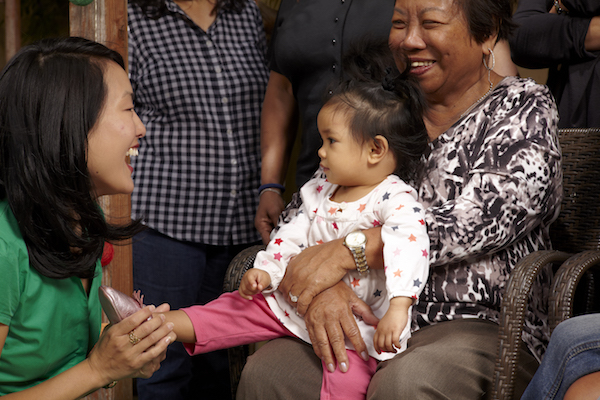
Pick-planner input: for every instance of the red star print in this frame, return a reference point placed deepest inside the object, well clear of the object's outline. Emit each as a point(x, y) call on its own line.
point(355, 282)
point(412, 238)
point(362, 207)
point(422, 221)
point(286, 313)
point(425, 254)
point(335, 226)
point(277, 256)
point(400, 207)
point(320, 242)
point(398, 273)
point(316, 209)
point(319, 188)
point(278, 241)
point(376, 224)
point(414, 296)
point(332, 210)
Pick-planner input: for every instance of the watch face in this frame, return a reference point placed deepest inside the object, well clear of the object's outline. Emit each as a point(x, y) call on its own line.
point(356, 239)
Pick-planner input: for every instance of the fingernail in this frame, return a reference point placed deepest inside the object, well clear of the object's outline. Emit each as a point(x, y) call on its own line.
point(162, 317)
point(364, 356)
point(343, 367)
point(168, 339)
point(152, 307)
point(170, 325)
point(330, 368)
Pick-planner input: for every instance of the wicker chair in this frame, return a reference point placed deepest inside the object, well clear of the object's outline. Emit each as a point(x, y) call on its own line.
point(233, 277)
point(576, 238)
point(576, 230)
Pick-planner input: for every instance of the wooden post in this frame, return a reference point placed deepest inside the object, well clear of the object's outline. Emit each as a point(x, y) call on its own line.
point(105, 21)
point(12, 21)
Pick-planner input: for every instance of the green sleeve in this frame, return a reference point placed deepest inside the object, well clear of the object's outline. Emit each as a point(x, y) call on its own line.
point(10, 287)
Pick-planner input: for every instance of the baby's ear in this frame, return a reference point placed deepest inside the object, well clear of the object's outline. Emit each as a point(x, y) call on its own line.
point(378, 149)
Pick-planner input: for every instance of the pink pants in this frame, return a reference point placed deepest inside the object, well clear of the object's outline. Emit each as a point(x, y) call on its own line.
point(231, 321)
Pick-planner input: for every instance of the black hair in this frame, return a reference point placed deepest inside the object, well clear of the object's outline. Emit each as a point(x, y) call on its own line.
point(368, 58)
point(154, 9)
point(392, 107)
point(51, 95)
point(486, 18)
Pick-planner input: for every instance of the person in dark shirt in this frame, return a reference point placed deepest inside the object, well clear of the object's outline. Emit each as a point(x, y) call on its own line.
point(563, 36)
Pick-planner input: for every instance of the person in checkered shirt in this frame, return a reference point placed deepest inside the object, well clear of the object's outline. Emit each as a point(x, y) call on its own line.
point(199, 74)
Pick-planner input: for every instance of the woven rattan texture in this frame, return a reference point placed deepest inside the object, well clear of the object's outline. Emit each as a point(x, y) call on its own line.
point(236, 270)
point(576, 240)
point(578, 226)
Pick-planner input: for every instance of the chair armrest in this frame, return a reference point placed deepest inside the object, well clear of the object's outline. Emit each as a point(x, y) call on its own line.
point(241, 263)
point(512, 317)
point(565, 283)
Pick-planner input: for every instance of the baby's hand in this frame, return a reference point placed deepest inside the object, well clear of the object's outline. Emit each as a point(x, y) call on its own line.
point(389, 329)
point(253, 282)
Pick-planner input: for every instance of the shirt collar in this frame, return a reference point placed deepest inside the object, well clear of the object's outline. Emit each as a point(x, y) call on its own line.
point(173, 7)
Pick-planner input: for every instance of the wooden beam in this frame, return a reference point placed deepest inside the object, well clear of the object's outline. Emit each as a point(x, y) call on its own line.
point(12, 26)
point(105, 21)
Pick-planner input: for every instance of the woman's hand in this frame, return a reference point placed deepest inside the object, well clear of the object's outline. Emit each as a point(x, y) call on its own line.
point(115, 357)
point(315, 269)
point(269, 207)
point(330, 318)
point(320, 267)
point(563, 9)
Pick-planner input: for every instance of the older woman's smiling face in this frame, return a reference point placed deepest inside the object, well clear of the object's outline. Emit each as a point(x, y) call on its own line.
point(434, 35)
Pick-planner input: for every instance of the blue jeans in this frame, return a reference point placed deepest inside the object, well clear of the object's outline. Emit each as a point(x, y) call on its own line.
point(573, 352)
point(182, 274)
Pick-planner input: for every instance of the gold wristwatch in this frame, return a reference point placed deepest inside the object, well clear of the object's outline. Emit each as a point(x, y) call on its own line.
point(356, 242)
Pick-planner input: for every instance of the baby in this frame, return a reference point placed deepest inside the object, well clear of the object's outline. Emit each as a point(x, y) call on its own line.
point(373, 141)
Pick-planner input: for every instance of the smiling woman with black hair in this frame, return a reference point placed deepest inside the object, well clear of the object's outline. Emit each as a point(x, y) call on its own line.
point(66, 126)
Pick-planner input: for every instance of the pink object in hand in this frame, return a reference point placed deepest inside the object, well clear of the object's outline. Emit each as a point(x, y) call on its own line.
point(117, 305)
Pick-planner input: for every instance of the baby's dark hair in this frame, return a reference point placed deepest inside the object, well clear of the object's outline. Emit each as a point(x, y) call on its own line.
point(391, 107)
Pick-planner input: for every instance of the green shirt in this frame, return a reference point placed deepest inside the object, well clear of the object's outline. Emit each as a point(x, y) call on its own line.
point(52, 322)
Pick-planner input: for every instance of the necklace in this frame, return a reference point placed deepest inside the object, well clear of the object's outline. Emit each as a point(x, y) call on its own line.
point(478, 101)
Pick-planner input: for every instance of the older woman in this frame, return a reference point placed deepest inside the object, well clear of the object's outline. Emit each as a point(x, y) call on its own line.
point(493, 187)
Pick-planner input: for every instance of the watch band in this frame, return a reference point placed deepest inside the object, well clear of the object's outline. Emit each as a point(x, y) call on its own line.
point(356, 242)
point(360, 259)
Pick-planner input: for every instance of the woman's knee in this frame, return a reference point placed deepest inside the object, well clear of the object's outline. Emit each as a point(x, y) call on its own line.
point(395, 379)
point(281, 369)
point(577, 329)
point(455, 357)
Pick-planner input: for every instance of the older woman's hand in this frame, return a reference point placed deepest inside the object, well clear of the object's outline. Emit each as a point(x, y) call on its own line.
point(315, 276)
point(320, 267)
point(330, 318)
point(315, 269)
point(116, 357)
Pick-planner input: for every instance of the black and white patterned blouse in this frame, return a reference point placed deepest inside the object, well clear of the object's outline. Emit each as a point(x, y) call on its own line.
point(493, 186)
point(200, 96)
